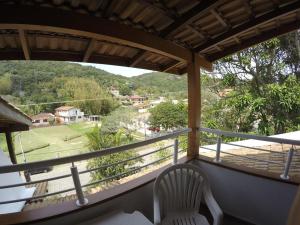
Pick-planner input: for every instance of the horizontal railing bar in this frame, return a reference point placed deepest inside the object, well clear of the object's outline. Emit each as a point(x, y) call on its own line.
point(208, 139)
point(251, 136)
point(242, 156)
point(124, 161)
point(255, 148)
point(88, 155)
point(121, 174)
point(37, 197)
point(35, 182)
point(72, 189)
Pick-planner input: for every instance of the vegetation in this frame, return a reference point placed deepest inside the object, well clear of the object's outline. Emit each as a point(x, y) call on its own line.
point(167, 115)
point(99, 140)
point(265, 89)
point(50, 142)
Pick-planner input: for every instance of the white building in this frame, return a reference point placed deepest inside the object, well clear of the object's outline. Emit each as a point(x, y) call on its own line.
point(42, 119)
point(68, 114)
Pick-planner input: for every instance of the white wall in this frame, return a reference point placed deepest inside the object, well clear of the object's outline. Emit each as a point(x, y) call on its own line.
point(254, 199)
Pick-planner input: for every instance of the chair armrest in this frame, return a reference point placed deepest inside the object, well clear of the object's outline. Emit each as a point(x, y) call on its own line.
point(213, 206)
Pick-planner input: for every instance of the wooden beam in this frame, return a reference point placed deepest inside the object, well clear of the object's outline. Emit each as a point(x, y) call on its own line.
point(89, 50)
point(250, 25)
point(69, 22)
point(220, 18)
point(137, 58)
point(194, 106)
point(203, 62)
point(248, 8)
point(190, 16)
point(198, 32)
point(171, 66)
point(10, 146)
point(24, 44)
point(253, 41)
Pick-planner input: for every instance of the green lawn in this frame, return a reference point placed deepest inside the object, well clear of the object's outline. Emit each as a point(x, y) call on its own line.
point(55, 137)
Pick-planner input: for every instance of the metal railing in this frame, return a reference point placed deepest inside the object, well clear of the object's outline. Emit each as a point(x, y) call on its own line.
point(75, 174)
point(219, 142)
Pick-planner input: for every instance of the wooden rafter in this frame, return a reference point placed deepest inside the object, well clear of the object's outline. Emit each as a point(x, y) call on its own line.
point(24, 44)
point(89, 50)
point(250, 25)
point(197, 31)
point(190, 16)
point(160, 6)
point(248, 8)
point(258, 39)
point(137, 58)
point(80, 25)
point(220, 18)
point(171, 66)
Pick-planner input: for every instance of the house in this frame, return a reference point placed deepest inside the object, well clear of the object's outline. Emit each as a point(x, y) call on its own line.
point(42, 119)
point(137, 99)
point(115, 92)
point(225, 92)
point(93, 118)
point(68, 114)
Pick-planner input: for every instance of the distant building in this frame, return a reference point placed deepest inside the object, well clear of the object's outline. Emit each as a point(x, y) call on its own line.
point(68, 114)
point(154, 103)
point(42, 119)
point(225, 92)
point(93, 118)
point(137, 99)
point(115, 92)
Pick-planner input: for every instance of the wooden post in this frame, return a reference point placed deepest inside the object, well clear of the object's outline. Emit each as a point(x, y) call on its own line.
point(194, 106)
point(10, 147)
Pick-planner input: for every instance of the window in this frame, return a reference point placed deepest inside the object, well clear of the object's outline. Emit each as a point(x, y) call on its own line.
point(45, 120)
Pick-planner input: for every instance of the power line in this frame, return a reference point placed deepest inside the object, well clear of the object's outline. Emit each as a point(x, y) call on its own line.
point(50, 103)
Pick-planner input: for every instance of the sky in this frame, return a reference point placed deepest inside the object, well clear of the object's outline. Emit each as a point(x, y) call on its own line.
point(120, 70)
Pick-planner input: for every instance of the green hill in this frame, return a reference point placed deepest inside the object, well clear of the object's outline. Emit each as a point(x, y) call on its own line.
point(24, 79)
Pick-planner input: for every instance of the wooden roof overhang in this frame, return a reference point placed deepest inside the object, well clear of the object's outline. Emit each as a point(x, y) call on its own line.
point(12, 119)
point(156, 35)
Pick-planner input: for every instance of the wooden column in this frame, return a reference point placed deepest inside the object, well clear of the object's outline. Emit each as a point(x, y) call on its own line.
point(10, 147)
point(194, 106)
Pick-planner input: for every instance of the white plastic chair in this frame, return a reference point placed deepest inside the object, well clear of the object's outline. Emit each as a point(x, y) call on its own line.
point(177, 196)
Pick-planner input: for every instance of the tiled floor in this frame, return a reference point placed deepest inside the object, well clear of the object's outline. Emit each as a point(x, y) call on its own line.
point(270, 161)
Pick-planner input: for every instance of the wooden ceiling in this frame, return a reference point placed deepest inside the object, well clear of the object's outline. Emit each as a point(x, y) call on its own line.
point(150, 34)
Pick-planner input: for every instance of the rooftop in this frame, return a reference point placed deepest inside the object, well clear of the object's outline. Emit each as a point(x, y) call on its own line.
point(64, 108)
point(150, 34)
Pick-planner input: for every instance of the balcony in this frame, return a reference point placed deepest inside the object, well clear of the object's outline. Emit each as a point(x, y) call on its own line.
point(231, 172)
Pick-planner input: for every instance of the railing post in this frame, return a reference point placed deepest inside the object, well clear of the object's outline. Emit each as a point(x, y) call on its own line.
point(218, 152)
point(175, 155)
point(81, 200)
point(285, 175)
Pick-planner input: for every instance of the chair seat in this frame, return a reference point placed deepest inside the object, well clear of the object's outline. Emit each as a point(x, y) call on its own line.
point(179, 218)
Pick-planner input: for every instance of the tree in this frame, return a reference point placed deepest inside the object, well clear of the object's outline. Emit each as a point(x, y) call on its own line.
point(5, 84)
point(98, 140)
point(82, 88)
point(122, 117)
point(168, 115)
point(265, 83)
point(125, 90)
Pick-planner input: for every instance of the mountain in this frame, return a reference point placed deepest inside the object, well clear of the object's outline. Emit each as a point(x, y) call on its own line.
point(27, 76)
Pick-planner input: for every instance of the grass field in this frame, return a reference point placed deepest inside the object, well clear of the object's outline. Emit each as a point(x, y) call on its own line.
point(55, 137)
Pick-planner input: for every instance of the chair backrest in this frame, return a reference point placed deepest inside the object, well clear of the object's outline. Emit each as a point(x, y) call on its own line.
point(179, 187)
